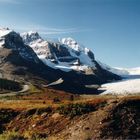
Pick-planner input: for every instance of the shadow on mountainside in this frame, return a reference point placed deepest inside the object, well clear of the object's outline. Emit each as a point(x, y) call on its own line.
point(133, 77)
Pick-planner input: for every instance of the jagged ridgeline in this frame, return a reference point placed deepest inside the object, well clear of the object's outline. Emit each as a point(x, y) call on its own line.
point(9, 85)
point(28, 57)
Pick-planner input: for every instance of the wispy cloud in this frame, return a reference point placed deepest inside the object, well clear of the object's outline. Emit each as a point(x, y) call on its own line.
point(63, 31)
point(10, 1)
point(53, 31)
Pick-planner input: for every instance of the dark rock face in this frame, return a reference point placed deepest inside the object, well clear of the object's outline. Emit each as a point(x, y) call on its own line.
point(68, 59)
point(59, 50)
point(14, 41)
point(91, 55)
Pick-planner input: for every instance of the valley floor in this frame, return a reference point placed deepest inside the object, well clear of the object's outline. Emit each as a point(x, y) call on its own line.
point(49, 114)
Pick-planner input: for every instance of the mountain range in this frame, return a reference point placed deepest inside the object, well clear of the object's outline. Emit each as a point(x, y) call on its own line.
point(27, 57)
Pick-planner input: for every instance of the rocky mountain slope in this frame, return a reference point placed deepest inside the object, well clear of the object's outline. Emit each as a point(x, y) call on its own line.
point(65, 54)
point(28, 57)
point(124, 72)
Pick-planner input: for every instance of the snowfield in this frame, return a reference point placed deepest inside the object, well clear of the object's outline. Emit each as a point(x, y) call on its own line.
point(124, 87)
point(128, 86)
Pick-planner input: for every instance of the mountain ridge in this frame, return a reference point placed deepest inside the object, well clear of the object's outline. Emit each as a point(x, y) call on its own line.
point(23, 60)
point(66, 54)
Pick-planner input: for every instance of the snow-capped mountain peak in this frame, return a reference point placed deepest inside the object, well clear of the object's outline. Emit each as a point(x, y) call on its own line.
point(71, 43)
point(4, 31)
point(29, 37)
point(75, 46)
point(65, 54)
point(12, 40)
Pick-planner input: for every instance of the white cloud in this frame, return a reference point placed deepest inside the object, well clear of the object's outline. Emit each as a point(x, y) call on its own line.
point(63, 31)
point(52, 31)
point(48, 30)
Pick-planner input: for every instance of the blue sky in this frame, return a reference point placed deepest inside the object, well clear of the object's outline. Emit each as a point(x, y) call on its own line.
point(111, 28)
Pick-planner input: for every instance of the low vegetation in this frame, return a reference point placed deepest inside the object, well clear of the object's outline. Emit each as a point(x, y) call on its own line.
point(9, 85)
point(76, 109)
point(12, 136)
point(54, 114)
point(24, 119)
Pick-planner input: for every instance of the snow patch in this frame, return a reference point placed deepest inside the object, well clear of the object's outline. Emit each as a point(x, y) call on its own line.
point(4, 32)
